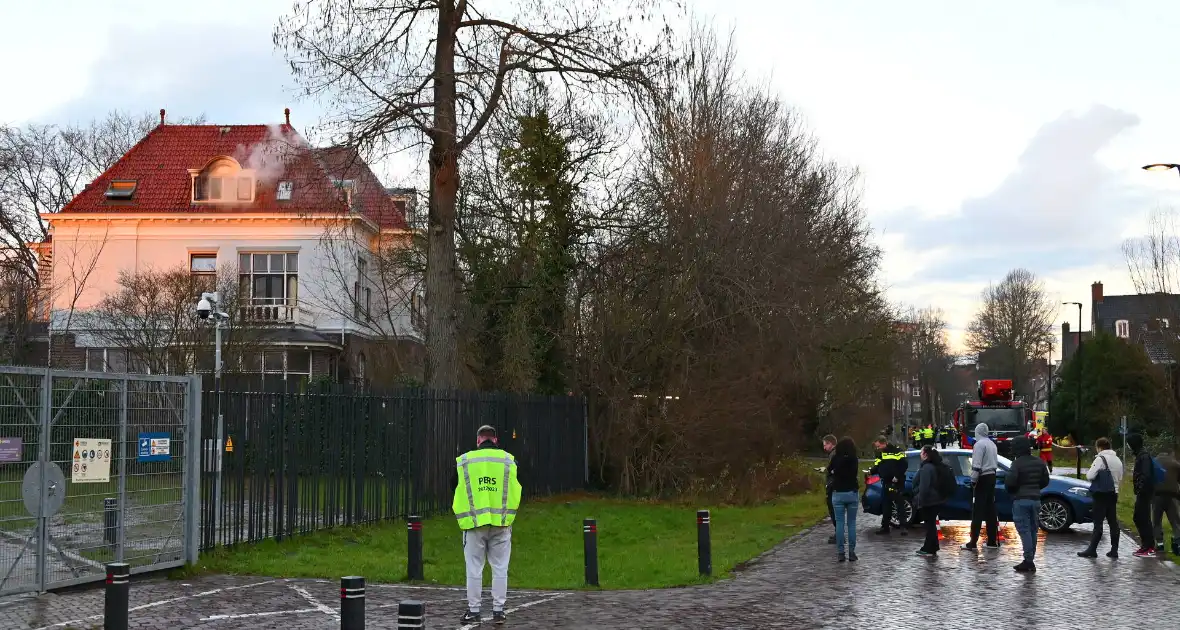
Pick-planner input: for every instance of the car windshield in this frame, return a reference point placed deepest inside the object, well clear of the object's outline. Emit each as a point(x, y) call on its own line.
point(996, 418)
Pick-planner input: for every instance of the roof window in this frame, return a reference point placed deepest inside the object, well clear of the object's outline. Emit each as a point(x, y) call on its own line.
point(284, 191)
point(121, 189)
point(223, 181)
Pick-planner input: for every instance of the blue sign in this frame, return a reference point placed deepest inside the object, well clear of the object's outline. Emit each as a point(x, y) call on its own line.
point(155, 447)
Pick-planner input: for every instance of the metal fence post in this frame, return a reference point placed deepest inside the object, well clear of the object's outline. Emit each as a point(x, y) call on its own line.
point(411, 614)
point(352, 603)
point(704, 544)
point(120, 538)
point(45, 440)
point(414, 569)
point(117, 595)
point(590, 550)
point(110, 518)
point(192, 473)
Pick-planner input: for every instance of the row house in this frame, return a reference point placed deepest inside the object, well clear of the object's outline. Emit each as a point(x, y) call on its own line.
point(295, 233)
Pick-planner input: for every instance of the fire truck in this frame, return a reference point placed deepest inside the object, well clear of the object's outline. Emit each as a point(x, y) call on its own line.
point(1006, 418)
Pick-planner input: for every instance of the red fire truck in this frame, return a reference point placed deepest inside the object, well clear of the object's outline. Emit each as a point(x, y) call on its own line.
point(1006, 418)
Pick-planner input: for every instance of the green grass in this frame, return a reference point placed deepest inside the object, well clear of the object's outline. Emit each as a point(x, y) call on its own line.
point(641, 544)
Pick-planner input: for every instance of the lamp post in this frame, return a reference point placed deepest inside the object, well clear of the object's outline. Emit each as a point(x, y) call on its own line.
point(210, 306)
point(1078, 356)
point(1162, 167)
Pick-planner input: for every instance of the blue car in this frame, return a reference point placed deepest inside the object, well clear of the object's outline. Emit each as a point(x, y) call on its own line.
point(1064, 501)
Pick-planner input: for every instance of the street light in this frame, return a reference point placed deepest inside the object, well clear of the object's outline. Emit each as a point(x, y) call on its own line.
point(210, 306)
point(1078, 355)
point(1162, 167)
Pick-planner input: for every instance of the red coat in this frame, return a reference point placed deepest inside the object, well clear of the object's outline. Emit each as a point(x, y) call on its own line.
point(1045, 446)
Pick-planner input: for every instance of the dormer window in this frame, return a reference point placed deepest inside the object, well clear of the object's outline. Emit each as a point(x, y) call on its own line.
point(223, 181)
point(121, 190)
point(1122, 329)
point(284, 191)
point(347, 187)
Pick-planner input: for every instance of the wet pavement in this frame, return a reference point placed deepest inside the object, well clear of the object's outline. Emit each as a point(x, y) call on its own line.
point(796, 585)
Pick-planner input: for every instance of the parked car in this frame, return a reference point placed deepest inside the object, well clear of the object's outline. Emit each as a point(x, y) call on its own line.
point(1064, 501)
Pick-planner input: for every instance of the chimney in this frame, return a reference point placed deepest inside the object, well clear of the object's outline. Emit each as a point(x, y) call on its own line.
point(161, 115)
point(1066, 341)
point(287, 115)
point(1096, 292)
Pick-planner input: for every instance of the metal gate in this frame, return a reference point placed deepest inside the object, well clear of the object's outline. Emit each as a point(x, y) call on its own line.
point(95, 468)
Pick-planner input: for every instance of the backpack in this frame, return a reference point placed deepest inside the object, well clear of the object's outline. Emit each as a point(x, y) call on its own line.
point(1159, 471)
point(947, 485)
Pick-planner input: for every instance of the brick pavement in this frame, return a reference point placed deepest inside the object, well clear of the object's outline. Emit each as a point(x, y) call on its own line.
point(796, 585)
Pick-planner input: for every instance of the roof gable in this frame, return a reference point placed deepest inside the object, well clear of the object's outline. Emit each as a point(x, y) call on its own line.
point(163, 162)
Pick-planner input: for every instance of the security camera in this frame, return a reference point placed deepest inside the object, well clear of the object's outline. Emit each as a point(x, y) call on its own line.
point(204, 308)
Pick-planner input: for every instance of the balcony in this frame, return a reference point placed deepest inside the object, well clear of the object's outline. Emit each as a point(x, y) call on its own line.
point(274, 311)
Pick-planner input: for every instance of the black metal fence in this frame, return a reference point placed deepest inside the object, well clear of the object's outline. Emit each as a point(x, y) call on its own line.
point(294, 463)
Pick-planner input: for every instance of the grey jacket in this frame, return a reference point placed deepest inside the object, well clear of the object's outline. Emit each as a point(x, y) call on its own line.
point(926, 481)
point(984, 457)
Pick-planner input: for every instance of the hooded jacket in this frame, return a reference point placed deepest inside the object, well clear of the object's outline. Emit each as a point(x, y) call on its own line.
point(1143, 475)
point(984, 456)
point(926, 483)
point(1170, 486)
point(1028, 475)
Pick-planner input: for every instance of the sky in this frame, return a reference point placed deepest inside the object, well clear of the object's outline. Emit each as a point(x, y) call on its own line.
point(989, 136)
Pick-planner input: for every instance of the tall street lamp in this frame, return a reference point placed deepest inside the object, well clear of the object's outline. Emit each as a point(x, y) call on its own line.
point(1162, 167)
point(210, 306)
point(1078, 356)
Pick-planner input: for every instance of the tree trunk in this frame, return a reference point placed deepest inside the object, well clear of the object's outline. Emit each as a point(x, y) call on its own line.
point(442, 343)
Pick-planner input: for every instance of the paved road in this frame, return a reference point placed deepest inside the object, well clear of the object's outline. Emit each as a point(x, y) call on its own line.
point(797, 585)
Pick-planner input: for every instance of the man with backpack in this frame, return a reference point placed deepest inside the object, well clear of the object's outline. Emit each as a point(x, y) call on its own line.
point(1166, 501)
point(934, 483)
point(1143, 480)
point(984, 460)
point(1105, 475)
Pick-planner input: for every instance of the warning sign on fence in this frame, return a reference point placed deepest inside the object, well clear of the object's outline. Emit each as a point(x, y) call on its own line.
point(92, 461)
point(229, 445)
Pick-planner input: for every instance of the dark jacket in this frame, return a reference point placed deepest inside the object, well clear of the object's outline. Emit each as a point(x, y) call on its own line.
point(926, 482)
point(1027, 477)
point(1143, 477)
point(891, 471)
point(844, 472)
point(1170, 486)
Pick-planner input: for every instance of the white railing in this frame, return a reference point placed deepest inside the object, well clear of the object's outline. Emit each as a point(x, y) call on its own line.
point(274, 311)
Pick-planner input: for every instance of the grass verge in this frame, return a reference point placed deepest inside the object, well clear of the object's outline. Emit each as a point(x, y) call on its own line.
point(641, 544)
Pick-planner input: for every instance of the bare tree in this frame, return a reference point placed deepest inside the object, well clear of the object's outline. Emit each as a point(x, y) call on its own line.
point(924, 354)
point(412, 72)
point(1013, 328)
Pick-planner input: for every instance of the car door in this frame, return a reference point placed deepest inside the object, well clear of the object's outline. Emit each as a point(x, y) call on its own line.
point(958, 507)
point(1003, 499)
point(913, 461)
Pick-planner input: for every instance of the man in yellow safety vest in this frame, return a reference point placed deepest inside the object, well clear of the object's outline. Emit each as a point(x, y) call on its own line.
point(487, 495)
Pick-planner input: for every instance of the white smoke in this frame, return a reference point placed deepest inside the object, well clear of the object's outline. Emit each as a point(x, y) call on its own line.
point(270, 157)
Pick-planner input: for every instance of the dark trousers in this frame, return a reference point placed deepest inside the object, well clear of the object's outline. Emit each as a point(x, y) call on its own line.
point(1142, 518)
point(930, 518)
point(1105, 511)
point(983, 510)
point(831, 509)
point(893, 501)
point(1163, 504)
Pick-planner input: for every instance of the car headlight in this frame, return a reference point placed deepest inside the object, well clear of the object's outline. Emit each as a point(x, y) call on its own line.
point(1080, 491)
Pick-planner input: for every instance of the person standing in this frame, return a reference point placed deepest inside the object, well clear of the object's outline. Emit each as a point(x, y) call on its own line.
point(829, 448)
point(890, 467)
point(487, 496)
point(928, 436)
point(984, 460)
point(1105, 475)
point(1143, 482)
point(1045, 448)
point(1025, 480)
point(1166, 501)
point(844, 471)
point(927, 498)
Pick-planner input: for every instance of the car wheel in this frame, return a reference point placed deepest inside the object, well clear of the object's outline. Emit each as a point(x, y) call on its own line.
point(907, 509)
point(1055, 515)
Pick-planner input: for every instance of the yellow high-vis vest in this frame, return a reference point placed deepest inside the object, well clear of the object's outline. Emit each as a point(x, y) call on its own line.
point(488, 492)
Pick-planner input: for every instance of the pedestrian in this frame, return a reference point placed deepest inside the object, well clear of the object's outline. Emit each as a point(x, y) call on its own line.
point(890, 466)
point(1166, 501)
point(1026, 478)
point(844, 470)
point(487, 496)
point(1143, 483)
point(984, 460)
point(830, 448)
point(928, 499)
point(1045, 448)
point(1105, 475)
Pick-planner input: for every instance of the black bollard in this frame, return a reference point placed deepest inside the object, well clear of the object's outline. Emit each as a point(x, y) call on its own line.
point(414, 548)
point(110, 521)
point(1079, 459)
point(352, 603)
point(114, 614)
point(590, 547)
point(704, 544)
point(411, 614)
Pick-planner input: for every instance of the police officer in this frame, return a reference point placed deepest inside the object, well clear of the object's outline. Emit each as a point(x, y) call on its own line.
point(928, 436)
point(916, 438)
point(487, 495)
point(890, 466)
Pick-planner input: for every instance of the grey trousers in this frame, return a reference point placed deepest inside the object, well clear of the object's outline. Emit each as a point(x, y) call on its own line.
point(490, 545)
point(1164, 504)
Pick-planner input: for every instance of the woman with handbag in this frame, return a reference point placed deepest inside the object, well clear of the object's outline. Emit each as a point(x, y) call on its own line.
point(1105, 474)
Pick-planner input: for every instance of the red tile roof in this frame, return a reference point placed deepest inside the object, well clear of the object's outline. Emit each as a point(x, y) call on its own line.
point(161, 161)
